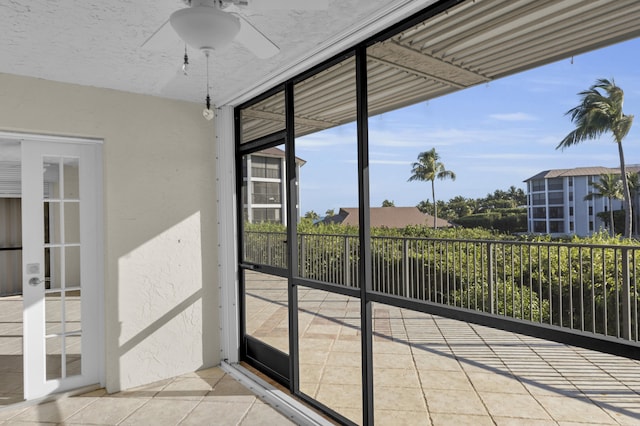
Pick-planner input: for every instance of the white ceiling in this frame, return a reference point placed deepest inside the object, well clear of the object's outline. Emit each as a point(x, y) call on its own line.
point(98, 43)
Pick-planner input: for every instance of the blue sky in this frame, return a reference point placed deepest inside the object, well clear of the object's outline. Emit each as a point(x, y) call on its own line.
point(492, 136)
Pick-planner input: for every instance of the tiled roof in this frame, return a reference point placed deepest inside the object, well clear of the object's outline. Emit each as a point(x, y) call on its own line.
point(583, 171)
point(390, 217)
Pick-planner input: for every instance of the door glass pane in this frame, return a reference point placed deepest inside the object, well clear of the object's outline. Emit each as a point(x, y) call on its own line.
point(62, 266)
point(264, 212)
point(71, 179)
point(71, 223)
point(72, 267)
point(53, 267)
point(266, 310)
point(54, 357)
point(330, 350)
point(327, 142)
point(407, 348)
point(53, 313)
point(52, 215)
point(73, 358)
point(51, 176)
point(72, 311)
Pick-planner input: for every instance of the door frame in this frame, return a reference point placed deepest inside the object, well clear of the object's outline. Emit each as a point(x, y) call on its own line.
point(97, 170)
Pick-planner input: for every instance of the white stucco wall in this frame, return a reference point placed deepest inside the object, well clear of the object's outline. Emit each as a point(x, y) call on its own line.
point(161, 301)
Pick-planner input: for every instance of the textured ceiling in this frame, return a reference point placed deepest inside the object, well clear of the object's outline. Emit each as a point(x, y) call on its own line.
point(99, 43)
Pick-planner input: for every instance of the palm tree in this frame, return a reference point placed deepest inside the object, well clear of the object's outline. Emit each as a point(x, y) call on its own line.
point(609, 186)
point(599, 112)
point(633, 180)
point(428, 168)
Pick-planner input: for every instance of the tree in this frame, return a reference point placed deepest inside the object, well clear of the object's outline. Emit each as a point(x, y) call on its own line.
point(311, 215)
point(387, 203)
point(599, 112)
point(429, 168)
point(329, 213)
point(609, 186)
point(633, 180)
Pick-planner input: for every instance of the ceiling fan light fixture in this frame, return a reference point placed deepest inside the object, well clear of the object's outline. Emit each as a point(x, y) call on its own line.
point(205, 27)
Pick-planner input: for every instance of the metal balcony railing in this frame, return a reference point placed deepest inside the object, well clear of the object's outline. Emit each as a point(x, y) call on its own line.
point(585, 287)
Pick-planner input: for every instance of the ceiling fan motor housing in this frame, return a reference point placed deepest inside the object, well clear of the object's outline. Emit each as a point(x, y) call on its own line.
point(205, 27)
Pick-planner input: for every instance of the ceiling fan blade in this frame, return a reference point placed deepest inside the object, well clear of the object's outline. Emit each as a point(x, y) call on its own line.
point(163, 39)
point(251, 38)
point(289, 4)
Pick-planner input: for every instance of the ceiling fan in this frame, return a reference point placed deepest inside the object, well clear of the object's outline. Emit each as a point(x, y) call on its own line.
point(209, 25)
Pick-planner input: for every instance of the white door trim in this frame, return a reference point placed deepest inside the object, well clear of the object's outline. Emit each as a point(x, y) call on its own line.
point(227, 241)
point(98, 197)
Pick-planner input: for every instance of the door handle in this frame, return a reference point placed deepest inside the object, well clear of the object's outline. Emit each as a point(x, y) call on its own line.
point(35, 281)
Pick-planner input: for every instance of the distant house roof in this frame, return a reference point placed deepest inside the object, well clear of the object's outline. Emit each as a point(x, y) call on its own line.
point(389, 217)
point(276, 152)
point(583, 171)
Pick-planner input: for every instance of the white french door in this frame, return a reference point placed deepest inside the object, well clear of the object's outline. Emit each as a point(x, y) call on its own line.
point(61, 278)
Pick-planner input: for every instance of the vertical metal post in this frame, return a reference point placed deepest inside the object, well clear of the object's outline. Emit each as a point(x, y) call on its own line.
point(490, 282)
point(405, 266)
point(365, 236)
point(346, 262)
point(292, 237)
point(626, 293)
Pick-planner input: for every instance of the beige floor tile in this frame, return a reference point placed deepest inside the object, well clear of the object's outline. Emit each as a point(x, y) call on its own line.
point(9, 412)
point(211, 373)
point(145, 391)
point(399, 398)
point(342, 375)
point(107, 410)
point(218, 413)
point(445, 380)
point(444, 419)
point(336, 395)
point(402, 418)
point(449, 401)
point(522, 406)
point(396, 377)
point(162, 413)
point(19, 423)
point(55, 411)
point(574, 410)
point(492, 382)
point(313, 357)
point(511, 421)
point(228, 386)
point(388, 347)
point(428, 362)
point(391, 360)
point(186, 388)
point(344, 359)
point(350, 346)
point(263, 414)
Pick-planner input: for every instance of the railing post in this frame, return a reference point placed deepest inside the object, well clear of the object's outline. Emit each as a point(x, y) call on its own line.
point(490, 283)
point(405, 265)
point(626, 294)
point(346, 263)
point(269, 249)
point(302, 255)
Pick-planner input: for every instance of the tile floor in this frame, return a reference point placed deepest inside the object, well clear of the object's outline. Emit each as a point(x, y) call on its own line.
point(430, 370)
point(206, 397)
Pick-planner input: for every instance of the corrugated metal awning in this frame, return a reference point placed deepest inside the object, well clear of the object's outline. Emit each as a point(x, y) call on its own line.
point(472, 43)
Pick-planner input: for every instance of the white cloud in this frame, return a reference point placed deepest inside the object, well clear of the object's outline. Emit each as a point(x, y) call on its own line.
point(514, 116)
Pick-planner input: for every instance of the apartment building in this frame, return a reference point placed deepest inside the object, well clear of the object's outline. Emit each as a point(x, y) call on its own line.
point(556, 201)
point(264, 175)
